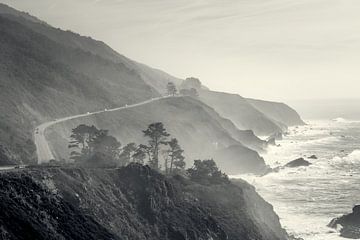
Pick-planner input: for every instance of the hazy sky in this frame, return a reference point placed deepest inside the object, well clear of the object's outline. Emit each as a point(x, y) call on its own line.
point(272, 49)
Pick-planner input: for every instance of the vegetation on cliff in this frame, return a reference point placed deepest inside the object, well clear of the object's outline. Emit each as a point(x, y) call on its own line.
point(133, 202)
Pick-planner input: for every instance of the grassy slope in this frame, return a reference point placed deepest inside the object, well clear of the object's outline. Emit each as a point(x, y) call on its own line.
point(153, 77)
point(41, 79)
point(197, 127)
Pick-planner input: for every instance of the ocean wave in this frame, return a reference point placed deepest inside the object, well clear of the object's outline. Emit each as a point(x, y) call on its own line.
point(353, 157)
point(343, 120)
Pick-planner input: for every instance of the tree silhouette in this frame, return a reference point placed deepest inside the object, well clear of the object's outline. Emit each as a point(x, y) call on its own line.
point(82, 138)
point(125, 156)
point(171, 89)
point(93, 143)
point(207, 172)
point(157, 136)
point(191, 82)
point(139, 154)
point(175, 155)
point(107, 145)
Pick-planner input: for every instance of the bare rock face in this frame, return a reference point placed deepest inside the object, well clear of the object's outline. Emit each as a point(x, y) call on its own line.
point(134, 202)
point(350, 224)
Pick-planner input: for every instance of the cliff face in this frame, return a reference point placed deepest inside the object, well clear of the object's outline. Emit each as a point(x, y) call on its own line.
point(129, 203)
point(241, 113)
point(201, 132)
point(279, 112)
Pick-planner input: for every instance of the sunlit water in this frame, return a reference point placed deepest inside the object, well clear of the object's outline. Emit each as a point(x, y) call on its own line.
point(308, 198)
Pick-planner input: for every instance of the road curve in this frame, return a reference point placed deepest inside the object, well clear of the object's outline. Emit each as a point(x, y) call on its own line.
point(43, 150)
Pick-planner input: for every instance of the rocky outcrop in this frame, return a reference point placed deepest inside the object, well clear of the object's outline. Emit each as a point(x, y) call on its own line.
point(130, 203)
point(349, 224)
point(297, 163)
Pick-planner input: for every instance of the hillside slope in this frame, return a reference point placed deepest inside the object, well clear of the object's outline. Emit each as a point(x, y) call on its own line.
point(240, 112)
point(279, 112)
point(153, 77)
point(130, 203)
point(40, 79)
point(47, 73)
point(200, 131)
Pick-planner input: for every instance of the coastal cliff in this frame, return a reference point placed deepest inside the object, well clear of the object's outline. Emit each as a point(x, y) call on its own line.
point(134, 202)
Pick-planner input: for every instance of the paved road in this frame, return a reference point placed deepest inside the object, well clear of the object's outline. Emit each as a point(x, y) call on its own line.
point(43, 150)
point(10, 168)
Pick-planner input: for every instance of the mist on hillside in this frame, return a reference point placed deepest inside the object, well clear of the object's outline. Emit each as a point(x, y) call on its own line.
point(277, 50)
point(155, 120)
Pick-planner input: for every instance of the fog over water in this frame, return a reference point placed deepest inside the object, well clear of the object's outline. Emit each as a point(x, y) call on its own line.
point(327, 108)
point(270, 49)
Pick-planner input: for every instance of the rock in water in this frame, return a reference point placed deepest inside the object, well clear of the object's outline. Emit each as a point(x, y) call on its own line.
point(313, 157)
point(350, 224)
point(297, 163)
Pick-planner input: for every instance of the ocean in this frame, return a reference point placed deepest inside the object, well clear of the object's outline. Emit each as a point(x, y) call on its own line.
point(308, 198)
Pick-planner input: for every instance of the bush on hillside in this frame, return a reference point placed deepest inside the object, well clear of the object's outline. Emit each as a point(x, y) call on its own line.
point(206, 172)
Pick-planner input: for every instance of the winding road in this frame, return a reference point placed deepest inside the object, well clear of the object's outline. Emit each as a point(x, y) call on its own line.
point(43, 150)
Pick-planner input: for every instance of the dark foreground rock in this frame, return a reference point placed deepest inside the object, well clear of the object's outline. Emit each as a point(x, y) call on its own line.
point(129, 203)
point(297, 163)
point(350, 224)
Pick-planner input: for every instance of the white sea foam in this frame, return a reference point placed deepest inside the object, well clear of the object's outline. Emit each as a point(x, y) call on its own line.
point(343, 120)
point(353, 158)
point(307, 198)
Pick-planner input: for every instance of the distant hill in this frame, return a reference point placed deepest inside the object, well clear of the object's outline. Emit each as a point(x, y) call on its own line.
point(241, 112)
point(278, 112)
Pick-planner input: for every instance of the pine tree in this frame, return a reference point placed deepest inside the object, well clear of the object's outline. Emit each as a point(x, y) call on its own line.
point(126, 154)
point(171, 89)
point(139, 154)
point(158, 136)
point(176, 155)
